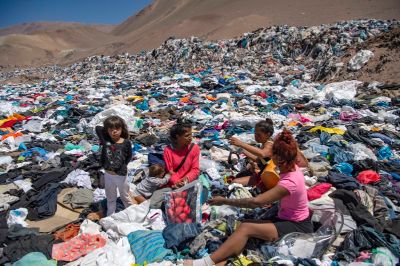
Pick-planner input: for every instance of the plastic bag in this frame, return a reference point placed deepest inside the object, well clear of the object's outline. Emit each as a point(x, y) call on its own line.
point(17, 216)
point(183, 205)
point(313, 245)
point(360, 59)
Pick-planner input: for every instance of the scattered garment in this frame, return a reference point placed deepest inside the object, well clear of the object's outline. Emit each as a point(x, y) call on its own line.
point(35, 259)
point(81, 198)
point(77, 247)
point(148, 246)
point(317, 191)
point(79, 178)
point(124, 222)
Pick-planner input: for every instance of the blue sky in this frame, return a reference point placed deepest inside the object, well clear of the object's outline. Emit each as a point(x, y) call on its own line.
point(84, 11)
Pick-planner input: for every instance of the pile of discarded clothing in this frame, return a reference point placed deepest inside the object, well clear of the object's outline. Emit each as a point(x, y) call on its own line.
point(51, 179)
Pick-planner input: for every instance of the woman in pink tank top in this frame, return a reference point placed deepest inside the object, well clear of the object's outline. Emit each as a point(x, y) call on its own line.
point(293, 215)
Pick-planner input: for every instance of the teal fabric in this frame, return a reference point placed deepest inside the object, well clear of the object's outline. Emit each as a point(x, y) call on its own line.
point(35, 259)
point(148, 246)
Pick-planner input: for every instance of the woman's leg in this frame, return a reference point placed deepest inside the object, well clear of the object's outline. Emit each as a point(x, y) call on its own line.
point(235, 244)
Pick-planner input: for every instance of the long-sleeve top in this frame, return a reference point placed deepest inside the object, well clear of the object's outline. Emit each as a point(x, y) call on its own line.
point(150, 184)
point(189, 169)
point(114, 156)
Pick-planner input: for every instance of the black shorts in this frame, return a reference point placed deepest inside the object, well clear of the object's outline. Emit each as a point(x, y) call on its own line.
point(285, 227)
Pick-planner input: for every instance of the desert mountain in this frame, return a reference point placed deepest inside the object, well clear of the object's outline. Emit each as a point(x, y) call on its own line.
point(29, 28)
point(36, 45)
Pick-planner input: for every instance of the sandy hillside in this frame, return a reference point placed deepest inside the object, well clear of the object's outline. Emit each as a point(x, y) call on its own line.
point(36, 45)
point(29, 28)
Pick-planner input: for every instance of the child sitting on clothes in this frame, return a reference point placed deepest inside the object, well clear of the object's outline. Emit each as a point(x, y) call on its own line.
point(156, 179)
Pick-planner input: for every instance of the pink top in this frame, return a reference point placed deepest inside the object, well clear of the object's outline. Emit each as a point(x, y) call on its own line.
point(293, 207)
point(189, 169)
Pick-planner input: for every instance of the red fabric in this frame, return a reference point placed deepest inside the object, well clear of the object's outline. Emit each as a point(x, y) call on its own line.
point(263, 95)
point(9, 123)
point(368, 176)
point(317, 191)
point(189, 169)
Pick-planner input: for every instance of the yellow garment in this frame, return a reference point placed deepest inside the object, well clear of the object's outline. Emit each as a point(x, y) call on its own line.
point(333, 130)
point(134, 98)
point(242, 261)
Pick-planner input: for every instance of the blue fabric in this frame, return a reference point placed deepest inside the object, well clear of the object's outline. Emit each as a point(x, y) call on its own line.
point(156, 158)
point(34, 259)
point(344, 168)
point(384, 138)
point(340, 155)
point(384, 153)
point(340, 181)
point(39, 151)
point(148, 246)
point(177, 235)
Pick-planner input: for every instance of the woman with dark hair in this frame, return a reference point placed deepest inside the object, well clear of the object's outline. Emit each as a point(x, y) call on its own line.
point(182, 156)
point(260, 157)
point(293, 214)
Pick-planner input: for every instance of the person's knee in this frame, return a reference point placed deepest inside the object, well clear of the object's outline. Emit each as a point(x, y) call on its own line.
point(244, 229)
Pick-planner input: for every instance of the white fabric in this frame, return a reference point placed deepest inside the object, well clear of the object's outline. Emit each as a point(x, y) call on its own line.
point(362, 152)
point(155, 220)
point(360, 59)
point(89, 227)
point(99, 194)
point(79, 178)
point(111, 254)
point(125, 112)
point(345, 90)
point(218, 154)
point(213, 173)
point(25, 184)
point(5, 201)
point(17, 216)
point(129, 220)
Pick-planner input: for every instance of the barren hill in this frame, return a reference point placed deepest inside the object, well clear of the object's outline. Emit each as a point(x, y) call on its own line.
point(36, 45)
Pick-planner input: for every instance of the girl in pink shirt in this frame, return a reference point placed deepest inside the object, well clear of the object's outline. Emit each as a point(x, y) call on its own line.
point(293, 215)
point(174, 155)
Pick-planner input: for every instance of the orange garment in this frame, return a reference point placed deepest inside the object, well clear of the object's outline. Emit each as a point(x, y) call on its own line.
point(185, 100)
point(68, 232)
point(293, 123)
point(210, 98)
point(15, 135)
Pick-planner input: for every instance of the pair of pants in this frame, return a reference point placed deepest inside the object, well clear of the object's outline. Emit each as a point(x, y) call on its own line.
point(112, 183)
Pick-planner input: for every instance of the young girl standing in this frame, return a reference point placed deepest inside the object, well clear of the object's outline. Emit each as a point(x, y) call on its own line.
point(116, 153)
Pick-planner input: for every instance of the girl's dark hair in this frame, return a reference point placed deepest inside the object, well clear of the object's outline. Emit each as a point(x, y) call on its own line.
point(266, 126)
point(179, 128)
point(115, 121)
point(285, 148)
